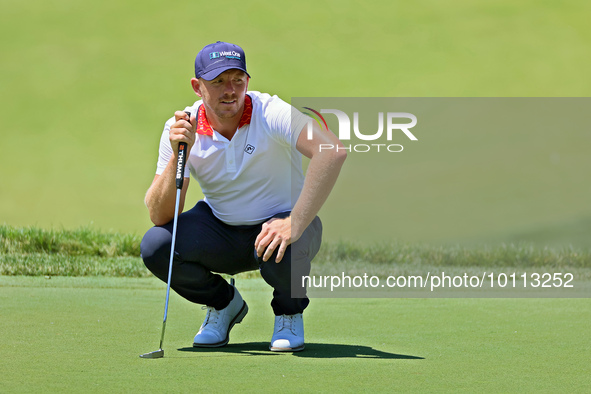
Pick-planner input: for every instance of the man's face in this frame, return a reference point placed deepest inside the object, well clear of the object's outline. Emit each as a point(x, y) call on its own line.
point(224, 95)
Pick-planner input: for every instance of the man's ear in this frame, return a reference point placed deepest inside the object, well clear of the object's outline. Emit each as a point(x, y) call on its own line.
point(196, 84)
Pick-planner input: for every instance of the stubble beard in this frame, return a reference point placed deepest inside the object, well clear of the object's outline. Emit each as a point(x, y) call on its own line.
point(225, 113)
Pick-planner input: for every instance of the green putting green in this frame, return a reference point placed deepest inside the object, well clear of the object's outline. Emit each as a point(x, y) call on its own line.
point(86, 335)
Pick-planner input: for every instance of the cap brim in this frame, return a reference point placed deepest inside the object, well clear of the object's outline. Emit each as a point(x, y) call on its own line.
point(208, 76)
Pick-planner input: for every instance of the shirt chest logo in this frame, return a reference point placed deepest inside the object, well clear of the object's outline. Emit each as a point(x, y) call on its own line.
point(249, 149)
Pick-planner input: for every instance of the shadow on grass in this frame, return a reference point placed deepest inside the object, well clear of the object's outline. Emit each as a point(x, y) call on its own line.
point(312, 350)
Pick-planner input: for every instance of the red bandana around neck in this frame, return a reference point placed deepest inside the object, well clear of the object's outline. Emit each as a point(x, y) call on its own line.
point(204, 128)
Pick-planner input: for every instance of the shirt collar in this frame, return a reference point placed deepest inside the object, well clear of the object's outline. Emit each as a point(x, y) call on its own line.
point(203, 126)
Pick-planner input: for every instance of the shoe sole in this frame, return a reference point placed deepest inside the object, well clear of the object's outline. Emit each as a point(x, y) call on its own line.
point(236, 320)
point(286, 349)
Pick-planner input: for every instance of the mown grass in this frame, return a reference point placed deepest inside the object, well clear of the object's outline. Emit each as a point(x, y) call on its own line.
point(92, 330)
point(34, 251)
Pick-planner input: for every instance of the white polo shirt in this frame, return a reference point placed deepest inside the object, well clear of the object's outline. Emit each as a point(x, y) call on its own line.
point(255, 175)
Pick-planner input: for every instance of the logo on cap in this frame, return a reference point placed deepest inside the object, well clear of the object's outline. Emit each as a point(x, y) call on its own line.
point(216, 58)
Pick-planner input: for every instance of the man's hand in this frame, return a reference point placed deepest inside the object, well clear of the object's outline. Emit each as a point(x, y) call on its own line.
point(183, 130)
point(275, 233)
point(161, 196)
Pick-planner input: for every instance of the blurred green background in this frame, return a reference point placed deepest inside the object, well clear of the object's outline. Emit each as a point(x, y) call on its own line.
point(87, 86)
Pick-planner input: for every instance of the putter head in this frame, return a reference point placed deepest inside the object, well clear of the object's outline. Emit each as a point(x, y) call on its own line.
point(155, 354)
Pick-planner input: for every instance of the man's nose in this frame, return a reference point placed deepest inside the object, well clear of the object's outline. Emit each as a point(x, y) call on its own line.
point(229, 87)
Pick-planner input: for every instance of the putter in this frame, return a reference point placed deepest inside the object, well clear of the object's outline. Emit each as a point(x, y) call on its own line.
point(180, 171)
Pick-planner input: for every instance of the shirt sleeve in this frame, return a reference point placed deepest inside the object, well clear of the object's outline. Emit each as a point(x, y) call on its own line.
point(165, 150)
point(285, 122)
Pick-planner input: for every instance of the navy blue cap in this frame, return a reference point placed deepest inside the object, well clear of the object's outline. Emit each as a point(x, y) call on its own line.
point(216, 58)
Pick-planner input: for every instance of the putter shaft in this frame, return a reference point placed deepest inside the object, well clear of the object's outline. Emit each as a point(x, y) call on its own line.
point(182, 160)
point(176, 217)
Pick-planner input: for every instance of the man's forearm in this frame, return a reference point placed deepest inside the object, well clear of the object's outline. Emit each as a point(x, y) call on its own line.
point(161, 196)
point(321, 176)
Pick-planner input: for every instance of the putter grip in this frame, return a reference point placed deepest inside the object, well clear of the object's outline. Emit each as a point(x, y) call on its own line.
point(182, 160)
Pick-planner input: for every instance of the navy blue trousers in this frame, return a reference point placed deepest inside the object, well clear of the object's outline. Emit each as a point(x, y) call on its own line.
point(205, 247)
